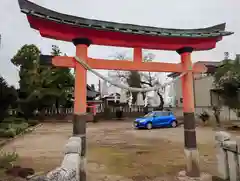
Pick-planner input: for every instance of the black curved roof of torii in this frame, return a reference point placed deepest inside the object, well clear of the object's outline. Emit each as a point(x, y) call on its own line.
point(32, 9)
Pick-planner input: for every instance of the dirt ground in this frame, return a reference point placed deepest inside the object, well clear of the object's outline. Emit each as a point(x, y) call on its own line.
point(116, 151)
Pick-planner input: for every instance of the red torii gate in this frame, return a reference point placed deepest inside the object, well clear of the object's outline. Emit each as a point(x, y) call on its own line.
point(84, 32)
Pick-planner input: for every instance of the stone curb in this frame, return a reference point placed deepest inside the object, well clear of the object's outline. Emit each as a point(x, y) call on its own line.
point(28, 130)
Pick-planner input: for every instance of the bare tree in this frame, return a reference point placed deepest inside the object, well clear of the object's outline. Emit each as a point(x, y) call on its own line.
point(151, 79)
point(131, 78)
point(138, 79)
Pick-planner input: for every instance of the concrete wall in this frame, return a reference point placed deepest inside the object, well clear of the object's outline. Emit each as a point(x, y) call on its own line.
point(225, 115)
point(136, 111)
point(202, 87)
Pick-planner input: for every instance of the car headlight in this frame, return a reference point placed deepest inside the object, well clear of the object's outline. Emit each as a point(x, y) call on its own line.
point(142, 121)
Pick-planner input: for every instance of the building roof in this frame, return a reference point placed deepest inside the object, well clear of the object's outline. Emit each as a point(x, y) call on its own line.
point(211, 67)
point(35, 10)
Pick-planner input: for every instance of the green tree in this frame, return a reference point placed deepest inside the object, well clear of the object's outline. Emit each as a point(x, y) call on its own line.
point(8, 97)
point(27, 60)
point(40, 86)
point(64, 83)
point(227, 79)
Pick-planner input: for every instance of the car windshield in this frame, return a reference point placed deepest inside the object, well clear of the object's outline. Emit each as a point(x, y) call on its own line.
point(151, 114)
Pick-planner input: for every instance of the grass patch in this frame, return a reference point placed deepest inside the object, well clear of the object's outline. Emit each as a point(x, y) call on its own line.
point(208, 161)
point(138, 160)
point(40, 164)
point(148, 160)
point(6, 162)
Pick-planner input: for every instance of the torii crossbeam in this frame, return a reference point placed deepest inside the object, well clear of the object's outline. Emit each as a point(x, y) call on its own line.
point(84, 32)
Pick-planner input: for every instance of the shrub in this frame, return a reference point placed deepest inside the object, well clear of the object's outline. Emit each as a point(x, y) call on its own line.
point(204, 116)
point(14, 120)
point(7, 159)
point(8, 120)
point(9, 133)
point(19, 120)
point(2, 132)
point(33, 122)
point(9, 130)
point(5, 125)
point(19, 128)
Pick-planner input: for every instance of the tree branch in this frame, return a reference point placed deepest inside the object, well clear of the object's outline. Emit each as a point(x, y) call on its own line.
point(146, 83)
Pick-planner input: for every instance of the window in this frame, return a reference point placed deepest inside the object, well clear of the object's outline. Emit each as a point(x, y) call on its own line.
point(149, 115)
point(162, 113)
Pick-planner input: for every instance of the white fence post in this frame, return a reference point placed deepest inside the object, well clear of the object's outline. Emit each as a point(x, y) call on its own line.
point(222, 162)
point(228, 156)
point(238, 154)
point(232, 160)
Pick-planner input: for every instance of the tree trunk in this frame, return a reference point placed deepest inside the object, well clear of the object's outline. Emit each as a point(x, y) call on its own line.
point(119, 113)
point(146, 110)
point(57, 105)
point(144, 95)
point(161, 101)
point(42, 115)
point(134, 96)
point(217, 115)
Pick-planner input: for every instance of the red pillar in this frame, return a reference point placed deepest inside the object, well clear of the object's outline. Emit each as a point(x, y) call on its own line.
point(80, 90)
point(80, 102)
point(190, 142)
point(137, 55)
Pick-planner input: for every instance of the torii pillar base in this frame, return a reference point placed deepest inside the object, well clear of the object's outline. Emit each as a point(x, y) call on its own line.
point(190, 141)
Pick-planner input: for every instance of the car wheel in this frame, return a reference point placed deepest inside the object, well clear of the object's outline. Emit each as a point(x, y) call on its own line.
point(174, 124)
point(149, 125)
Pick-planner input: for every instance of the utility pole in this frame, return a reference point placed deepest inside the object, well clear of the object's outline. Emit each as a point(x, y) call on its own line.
point(99, 88)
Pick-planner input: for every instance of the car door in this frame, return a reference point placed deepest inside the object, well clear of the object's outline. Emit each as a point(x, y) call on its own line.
point(163, 118)
point(168, 118)
point(160, 118)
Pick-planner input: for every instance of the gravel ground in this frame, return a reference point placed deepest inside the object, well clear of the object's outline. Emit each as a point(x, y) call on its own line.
point(108, 141)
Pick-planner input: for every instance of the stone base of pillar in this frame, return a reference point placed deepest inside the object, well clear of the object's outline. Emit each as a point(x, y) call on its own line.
point(192, 159)
point(79, 129)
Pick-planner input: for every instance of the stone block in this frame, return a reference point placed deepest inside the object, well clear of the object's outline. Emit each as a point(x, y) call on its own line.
point(62, 174)
point(182, 176)
point(221, 136)
point(73, 146)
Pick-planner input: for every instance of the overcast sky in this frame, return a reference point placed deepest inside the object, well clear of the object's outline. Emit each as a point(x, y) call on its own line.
point(16, 32)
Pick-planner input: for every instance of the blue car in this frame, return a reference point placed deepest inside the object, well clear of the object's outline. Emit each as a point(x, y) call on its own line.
point(156, 119)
